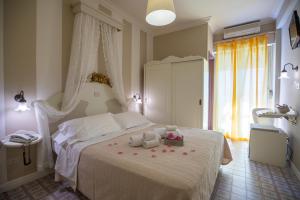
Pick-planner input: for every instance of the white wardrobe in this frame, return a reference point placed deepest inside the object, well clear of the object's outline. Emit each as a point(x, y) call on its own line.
point(176, 91)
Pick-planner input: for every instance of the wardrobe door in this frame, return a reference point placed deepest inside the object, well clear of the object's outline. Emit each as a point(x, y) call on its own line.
point(157, 106)
point(187, 78)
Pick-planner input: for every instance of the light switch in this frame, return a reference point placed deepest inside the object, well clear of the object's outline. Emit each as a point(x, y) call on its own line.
point(297, 85)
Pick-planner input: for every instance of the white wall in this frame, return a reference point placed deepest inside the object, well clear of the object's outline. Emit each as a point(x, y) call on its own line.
point(48, 48)
point(2, 111)
point(288, 92)
point(149, 47)
point(135, 57)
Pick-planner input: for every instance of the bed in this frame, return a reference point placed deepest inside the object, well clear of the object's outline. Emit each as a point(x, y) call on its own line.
point(107, 168)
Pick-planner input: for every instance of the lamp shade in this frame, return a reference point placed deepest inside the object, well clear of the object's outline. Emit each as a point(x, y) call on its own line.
point(160, 12)
point(284, 75)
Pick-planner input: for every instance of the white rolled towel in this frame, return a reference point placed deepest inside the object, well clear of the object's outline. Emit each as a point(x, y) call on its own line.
point(136, 140)
point(149, 135)
point(152, 143)
point(160, 131)
point(171, 127)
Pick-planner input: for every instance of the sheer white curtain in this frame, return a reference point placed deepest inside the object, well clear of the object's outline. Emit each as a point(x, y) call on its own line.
point(110, 41)
point(83, 61)
point(84, 55)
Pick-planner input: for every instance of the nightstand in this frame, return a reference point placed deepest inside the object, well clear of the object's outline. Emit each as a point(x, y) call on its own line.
point(268, 145)
point(26, 159)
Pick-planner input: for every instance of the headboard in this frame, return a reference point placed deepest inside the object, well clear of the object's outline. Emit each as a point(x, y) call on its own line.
point(95, 98)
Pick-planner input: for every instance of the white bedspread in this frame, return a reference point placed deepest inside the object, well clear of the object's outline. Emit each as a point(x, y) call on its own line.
point(69, 153)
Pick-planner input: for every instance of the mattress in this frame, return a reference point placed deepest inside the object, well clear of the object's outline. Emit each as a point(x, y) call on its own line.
point(111, 170)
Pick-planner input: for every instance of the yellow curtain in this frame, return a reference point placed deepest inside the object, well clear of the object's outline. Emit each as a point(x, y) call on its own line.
point(240, 84)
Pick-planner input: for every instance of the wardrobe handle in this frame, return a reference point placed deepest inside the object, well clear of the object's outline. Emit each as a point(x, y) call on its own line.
point(200, 102)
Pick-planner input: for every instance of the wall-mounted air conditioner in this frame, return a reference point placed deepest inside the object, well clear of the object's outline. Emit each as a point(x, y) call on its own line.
point(242, 30)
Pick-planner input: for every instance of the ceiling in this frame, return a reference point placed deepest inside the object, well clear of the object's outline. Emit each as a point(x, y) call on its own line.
point(218, 13)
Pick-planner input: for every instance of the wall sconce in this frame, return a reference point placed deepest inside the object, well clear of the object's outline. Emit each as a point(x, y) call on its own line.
point(137, 98)
point(22, 102)
point(284, 74)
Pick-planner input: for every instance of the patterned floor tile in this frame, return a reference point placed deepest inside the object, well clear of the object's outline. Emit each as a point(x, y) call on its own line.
point(262, 181)
point(241, 179)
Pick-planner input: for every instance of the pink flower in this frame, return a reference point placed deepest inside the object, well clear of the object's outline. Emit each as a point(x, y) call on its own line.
point(179, 138)
point(171, 136)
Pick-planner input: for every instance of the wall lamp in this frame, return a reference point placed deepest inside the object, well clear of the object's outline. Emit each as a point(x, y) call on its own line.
point(284, 74)
point(22, 102)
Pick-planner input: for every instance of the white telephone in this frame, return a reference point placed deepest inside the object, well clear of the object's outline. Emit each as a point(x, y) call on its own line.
point(22, 137)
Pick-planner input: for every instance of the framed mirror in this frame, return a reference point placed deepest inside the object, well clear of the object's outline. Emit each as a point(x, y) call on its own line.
point(294, 30)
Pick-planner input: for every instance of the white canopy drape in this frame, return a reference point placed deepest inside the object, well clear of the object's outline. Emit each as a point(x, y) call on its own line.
point(112, 59)
point(83, 61)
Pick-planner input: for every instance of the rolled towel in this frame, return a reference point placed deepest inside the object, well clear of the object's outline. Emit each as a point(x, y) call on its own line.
point(136, 140)
point(171, 127)
point(152, 143)
point(149, 135)
point(160, 131)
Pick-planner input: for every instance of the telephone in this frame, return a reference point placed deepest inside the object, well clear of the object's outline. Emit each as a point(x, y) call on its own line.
point(22, 137)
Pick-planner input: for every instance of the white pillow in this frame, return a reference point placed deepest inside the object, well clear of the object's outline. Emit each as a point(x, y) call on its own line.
point(88, 127)
point(131, 119)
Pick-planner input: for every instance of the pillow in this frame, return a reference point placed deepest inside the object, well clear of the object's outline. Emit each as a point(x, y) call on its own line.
point(88, 127)
point(131, 119)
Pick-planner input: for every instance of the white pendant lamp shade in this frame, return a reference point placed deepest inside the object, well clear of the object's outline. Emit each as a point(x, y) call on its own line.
point(160, 12)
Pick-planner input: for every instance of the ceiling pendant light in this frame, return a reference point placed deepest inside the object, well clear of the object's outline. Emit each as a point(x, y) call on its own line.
point(160, 12)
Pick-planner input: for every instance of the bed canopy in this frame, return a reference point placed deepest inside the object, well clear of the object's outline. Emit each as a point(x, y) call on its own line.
point(90, 26)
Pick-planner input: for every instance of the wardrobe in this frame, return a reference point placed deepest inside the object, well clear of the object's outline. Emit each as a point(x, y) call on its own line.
point(176, 91)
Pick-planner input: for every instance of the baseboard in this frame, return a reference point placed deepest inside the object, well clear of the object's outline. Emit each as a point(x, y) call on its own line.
point(23, 180)
point(295, 170)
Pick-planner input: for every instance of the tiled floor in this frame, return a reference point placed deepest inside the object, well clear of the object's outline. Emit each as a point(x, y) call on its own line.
point(241, 179)
point(245, 179)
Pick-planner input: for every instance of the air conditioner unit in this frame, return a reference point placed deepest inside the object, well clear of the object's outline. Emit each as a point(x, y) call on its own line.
point(242, 30)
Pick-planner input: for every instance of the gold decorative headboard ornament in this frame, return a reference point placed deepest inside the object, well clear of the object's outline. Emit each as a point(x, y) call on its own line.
point(100, 78)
